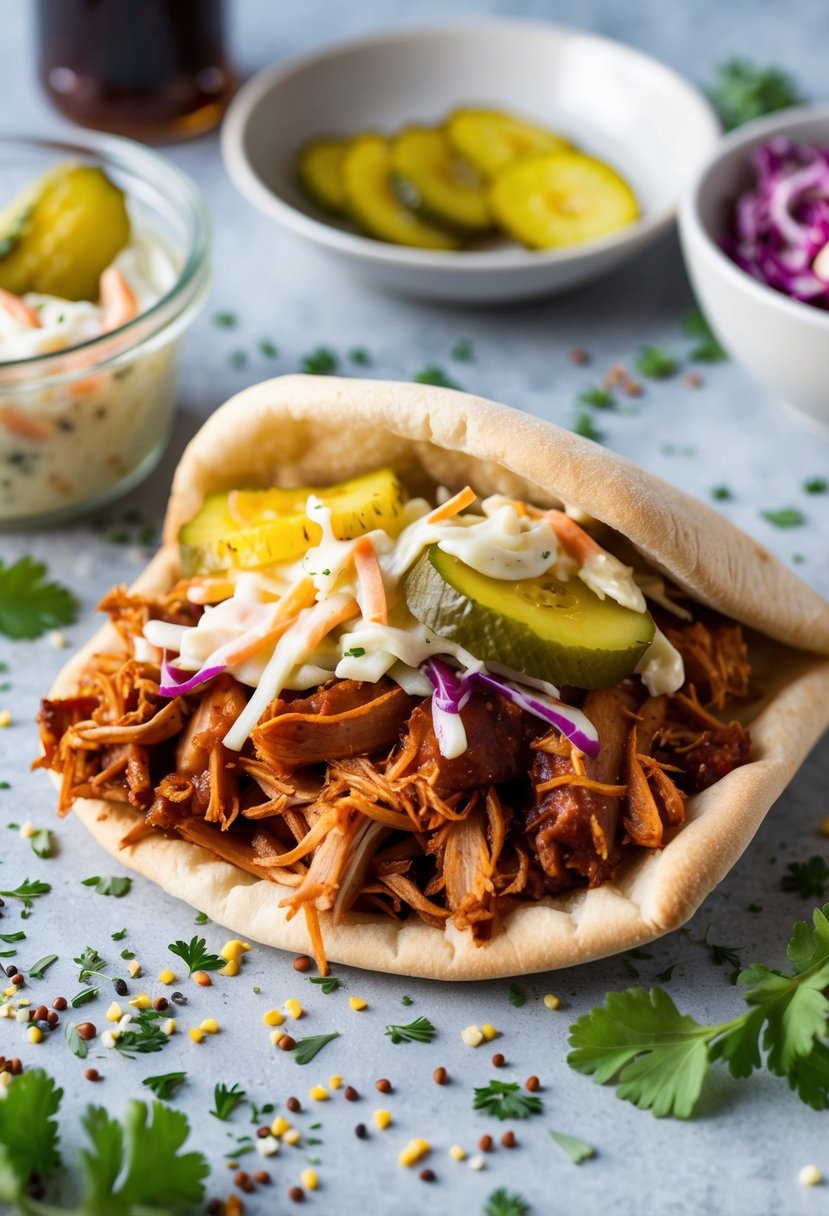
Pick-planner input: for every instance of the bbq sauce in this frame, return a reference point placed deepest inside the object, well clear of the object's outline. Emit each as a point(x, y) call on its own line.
point(155, 69)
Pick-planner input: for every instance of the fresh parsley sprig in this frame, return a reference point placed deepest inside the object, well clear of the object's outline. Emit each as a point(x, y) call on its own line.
point(659, 1058)
point(226, 1099)
point(143, 1035)
point(29, 603)
point(505, 1100)
point(165, 1084)
point(807, 879)
point(743, 91)
point(118, 885)
point(516, 996)
point(420, 1030)
point(196, 955)
point(28, 891)
point(506, 1203)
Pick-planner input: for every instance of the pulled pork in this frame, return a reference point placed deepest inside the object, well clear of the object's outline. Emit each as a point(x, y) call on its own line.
point(343, 796)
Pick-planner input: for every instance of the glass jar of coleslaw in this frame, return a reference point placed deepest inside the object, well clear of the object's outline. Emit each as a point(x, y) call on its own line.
point(86, 407)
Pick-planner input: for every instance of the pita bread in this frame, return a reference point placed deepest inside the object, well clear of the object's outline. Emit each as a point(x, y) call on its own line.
point(305, 430)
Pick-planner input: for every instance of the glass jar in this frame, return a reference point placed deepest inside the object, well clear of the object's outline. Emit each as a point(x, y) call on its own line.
point(84, 424)
point(152, 69)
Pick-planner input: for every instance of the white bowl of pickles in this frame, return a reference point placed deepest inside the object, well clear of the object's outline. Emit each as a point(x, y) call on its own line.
point(478, 162)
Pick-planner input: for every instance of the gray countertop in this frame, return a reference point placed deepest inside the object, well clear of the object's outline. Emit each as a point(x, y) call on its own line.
point(743, 1151)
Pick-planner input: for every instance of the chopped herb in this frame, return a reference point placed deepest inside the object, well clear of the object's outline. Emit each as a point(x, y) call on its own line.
point(816, 485)
point(638, 952)
point(225, 320)
point(256, 1112)
point(119, 936)
point(629, 968)
point(117, 886)
point(13, 937)
point(117, 536)
point(708, 349)
point(807, 879)
point(40, 968)
point(656, 362)
point(84, 997)
point(74, 1042)
point(328, 983)
point(743, 91)
point(360, 356)
point(786, 517)
point(165, 1084)
point(27, 892)
point(660, 1058)
point(41, 842)
point(506, 1203)
point(311, 1140)
point(505, 1100)
point(721, 494)
point(307, 1048)
point(237, 358)
point(90, 963)
point(585, 427)
point(576, 1150)
point(146, 534)
point(516, 996)
point(436, 376)
point(143, 1034)
point(268, 349)
point(5, 785)
point(723, 955)
point(406, 1000)
point(196, 955)
point(226, 1100)
point(356, 652)
point(754, 908)
point(201, 918)
point(420, 1030)
point(8, 953)
point(127, 955)
point(463, 351)
point(321, 362)
point(29, 604)
point(665, 976)
point(599, 398)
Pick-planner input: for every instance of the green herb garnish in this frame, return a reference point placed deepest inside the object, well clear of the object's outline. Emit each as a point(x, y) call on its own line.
point(74, 1042)
point(143, 1034)
point(39, 969)
point(91, 964)
point(656, 362)
point(721, 494)
point(406, 1000)
point(13, 937)
point(29, 604)
point(225, 320)
point(28, 891)
point(119, 936)
point(599, 398)
point(328, 983)
point(166, 1084)
point(307, 1048)
point(84, 997)
point(516, 996)
point(504, 1100)
point(585, 427)
point(723, 955)
point(786, 517)
point(463, 351)
point(196, 955)
point(225, 1100)
point(743, 91)
point(577, 1150)
point(117, 886)
point(41, 842)
point(506, 1203)
point(816, 485)
point(707, 349)
point(420, 1030)
point(807, 879)
point(321, 362)
point(436, 376)
point(201, 918)
point(268, 349)
point(237, 359)
point(360, 356)
point(356, 652)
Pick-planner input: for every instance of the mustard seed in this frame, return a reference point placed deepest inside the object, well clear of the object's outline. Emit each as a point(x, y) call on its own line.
point(498, 1060)
point(293, 1105)
point(296, 1194)
point(532, 1084)
point(86, 1030)
point(350, 1093)
point(60, 1003)
point(508, 1140)
point(485, 1144)
point(92, 1074)
point(383, 1085)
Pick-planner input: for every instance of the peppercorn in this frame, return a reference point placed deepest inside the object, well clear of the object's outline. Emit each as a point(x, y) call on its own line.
point(52, 1018)
point(383, 1085)
point(508, 1140)
point(38, 1014)
point(243, 1180)
point(92, 1074)
point(427, 1175)
point(498, 1060)
point(361, 1131)
point(262, 1177)
point(302, 963)
point(160, 1004)
point(86, 1030)
point(18, 979)
point(579, 356)
point(120, 987)
point(286, 1043)
point(11, 970)
point(293, 1105)
point(297, 1194)
point(14, 1066)
point(263, 1132)
point(532, 1084)
point(440, 1076)
point(60, 1003)
point(485, 1143)
point(350, 1093)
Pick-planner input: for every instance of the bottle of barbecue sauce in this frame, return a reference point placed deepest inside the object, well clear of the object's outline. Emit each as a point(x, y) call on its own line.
point(152, 69)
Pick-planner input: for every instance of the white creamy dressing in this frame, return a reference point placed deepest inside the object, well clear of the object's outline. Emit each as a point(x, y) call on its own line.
point(499, 543)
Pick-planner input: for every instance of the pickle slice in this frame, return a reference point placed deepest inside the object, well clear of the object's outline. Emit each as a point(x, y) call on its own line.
point(491, 140)
point(429, 176)
point(562, 199)
point(250, 529)
point(319, 170)
point(374, 205)
point(62, 232)
point(556, 631)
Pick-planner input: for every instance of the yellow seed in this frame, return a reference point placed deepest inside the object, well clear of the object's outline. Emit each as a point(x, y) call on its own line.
point(34, 1034)
point(5, 717)
point(27, 830)
point(134, 968)
point(810, 1175)
point(273, 1018)
point(209, 1026)
point(231, 968)
point(552, 1002)
point(309, 1179)
point(196, 1034)
point(414, 1151)
point(233, 950)
point(275, 1037)
point(319, 1094)
point(115, 1012)
point(457, 1153)
point(292, 1007)
point(24, 1003)
point(280, 1126)
point(201, 977)
point(472, 1036)
point(5, 1077)
point(9, 991)
point(488, 1031)
point(382, 1118)
point(166, 976)
point(335, 1081)
point(141, 1001)
point(292, 1136)
point(170, 1026)
point(357, 1003)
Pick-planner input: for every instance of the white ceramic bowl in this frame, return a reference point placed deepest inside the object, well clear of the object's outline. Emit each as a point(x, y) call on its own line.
point(783, 343)
point(610, 99)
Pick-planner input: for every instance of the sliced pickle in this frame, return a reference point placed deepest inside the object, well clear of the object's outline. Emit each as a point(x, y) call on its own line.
point(556, 631)
point(429, 176)
point(319, 170)
point(491, 140)
point(561, 199)
point(62, 232)
point(250, 529)
point(373, 203)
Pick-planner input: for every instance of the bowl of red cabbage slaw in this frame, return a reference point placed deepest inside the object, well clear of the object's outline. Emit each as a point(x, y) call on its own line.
point(755, 235)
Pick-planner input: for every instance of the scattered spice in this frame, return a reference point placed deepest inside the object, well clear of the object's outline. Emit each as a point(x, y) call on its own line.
point(321, 362)
point(440, 1076)
point(383, 1086)
point(302, 963)
point(508, 1140)
point(785, 517)
point(485, 1144)
point(579, 356)
point(532, 1084)
point(296, 1194)
point(498, 1060)
point(361, 1131)
point(92, 1074)
point(427, 1175)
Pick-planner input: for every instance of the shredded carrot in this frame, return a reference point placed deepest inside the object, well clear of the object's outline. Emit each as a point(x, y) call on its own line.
point(370, 579)
point(19, 310)
point(458, 502)
point(210, 591)
point(341, 612)
point(599, 787)
point(23, 425)
point(312, 924)
point(117, 299)
point(297, 597)
point(575, 540)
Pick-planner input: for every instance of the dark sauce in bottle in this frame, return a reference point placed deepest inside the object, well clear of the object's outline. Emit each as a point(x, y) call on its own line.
point(152, 69)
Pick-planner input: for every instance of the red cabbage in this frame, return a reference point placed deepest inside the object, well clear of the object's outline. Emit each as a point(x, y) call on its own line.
point(175, 682)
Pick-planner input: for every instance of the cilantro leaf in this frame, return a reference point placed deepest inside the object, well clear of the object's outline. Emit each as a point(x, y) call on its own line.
point(196, 955)
point(806, 878)
point(321, 362)
point(743, 91)
point(435, 375)
point(504, 1100)
point(28, 1132)
point(656, 362)
point(420, 1030)
point(118, 885)
point(599, 398)
point(226, 1099)
point(144, 1034)
point(360, 356)
point(816, 485)
point(165, 1084)
point(577, 1150)
point(516, 996)
point(506, 1203)
point(327, 983)
point(785, 517)
point(463, 351)
point(307, 1048)
point(28, 891)
point(29, 604)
